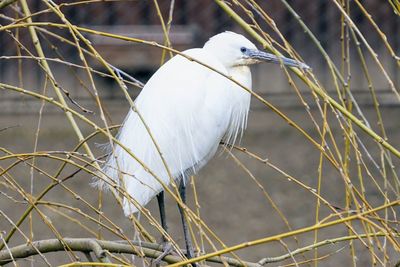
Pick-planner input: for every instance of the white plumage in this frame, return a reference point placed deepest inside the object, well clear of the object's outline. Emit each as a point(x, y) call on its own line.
point(189, 109)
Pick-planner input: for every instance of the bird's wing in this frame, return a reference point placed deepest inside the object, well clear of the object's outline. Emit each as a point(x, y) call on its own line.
point(186, 106)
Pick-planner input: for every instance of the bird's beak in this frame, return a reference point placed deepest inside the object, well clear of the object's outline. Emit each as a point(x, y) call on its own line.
point(267, 57)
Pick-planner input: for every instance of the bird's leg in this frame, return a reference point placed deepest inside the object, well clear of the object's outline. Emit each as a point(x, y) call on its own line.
point(166, 246)
point(161, 206)
point(188, 241)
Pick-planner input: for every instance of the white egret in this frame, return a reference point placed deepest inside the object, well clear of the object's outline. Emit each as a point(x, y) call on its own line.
point(189, 109)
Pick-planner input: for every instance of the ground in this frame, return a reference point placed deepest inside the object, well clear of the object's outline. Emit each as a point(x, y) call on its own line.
point(232, 205)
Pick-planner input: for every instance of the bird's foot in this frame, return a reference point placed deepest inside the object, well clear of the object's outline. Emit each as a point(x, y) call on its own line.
point(190, 253)
point(167, 248)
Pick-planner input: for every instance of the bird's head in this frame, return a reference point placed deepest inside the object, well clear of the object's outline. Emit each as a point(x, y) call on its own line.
point(233, 49)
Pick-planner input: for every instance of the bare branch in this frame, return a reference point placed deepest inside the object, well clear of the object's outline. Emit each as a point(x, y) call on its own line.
point(99, 248)
point(5, 3)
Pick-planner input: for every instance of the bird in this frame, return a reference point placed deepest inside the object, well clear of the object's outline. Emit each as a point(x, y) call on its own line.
point(182, 114)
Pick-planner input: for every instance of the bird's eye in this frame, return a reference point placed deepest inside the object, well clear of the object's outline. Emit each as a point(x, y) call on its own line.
point(243, 49)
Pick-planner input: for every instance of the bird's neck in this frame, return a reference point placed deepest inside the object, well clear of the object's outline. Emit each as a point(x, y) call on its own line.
point(240, 103)
point(241, 74)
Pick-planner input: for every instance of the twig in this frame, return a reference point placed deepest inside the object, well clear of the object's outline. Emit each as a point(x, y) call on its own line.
point(332, 241)
point(314, 87)
point(9, 127)
point(5, 3)
point(284, 235)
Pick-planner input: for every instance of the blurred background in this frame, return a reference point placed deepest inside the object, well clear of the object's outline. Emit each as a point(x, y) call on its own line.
point(193, 23)
point(232, 204)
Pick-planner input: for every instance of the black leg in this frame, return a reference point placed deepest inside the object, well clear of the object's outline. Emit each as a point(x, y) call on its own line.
point(161, 206)
point(166, 246)
point(188, 240)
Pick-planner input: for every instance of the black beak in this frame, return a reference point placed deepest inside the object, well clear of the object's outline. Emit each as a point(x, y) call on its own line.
point(267, 57)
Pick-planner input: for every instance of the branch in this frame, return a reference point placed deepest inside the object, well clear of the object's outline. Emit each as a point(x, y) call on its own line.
point(5, 3)
point(313, 86)
point(99, 248)
point(150, 250)
point(9, 127)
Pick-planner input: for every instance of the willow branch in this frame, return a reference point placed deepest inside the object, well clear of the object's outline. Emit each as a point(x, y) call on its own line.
point(285, 235)
point(314, 87)
point(99, 248)
point(5, 3)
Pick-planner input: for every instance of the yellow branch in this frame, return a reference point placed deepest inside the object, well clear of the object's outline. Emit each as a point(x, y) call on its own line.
point(283, 235)
point(308, 82)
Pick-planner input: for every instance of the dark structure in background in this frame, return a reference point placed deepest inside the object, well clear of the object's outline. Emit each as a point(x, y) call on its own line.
point(193, 22)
